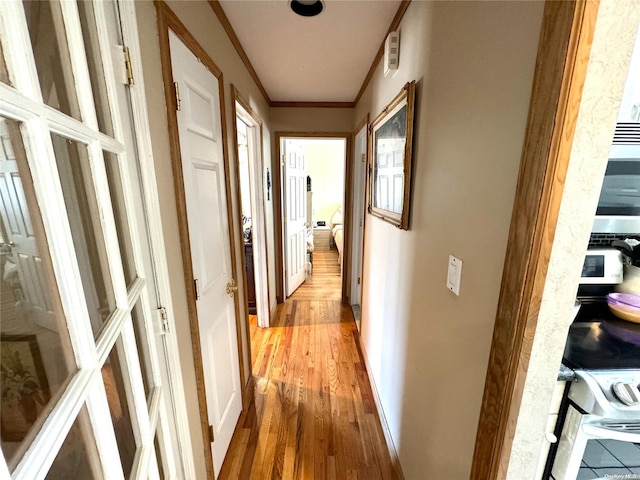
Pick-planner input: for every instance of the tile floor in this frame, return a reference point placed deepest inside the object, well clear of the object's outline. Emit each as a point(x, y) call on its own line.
point(610, 459)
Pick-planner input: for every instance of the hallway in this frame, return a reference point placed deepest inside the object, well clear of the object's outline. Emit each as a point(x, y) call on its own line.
point(314, 414)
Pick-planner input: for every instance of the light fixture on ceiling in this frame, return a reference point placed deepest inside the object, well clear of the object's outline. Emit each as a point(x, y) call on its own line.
point(307, 8)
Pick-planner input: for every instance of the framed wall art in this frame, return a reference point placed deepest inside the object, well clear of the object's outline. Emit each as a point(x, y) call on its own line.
point(391, 141)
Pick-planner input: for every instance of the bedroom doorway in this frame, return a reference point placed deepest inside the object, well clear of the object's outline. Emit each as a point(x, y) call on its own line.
point(312, 209)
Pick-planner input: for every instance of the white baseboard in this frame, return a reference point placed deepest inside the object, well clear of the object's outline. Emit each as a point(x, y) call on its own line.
point(393, 453)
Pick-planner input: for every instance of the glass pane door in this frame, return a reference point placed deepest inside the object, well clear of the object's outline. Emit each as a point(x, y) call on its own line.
point(79, 343)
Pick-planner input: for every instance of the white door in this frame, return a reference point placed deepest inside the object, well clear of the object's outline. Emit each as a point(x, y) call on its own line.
point(295, 226)
point(359, 184)
point(205, 195)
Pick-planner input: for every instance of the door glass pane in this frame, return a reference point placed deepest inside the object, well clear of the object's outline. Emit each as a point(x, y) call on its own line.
point(4, 74)
point(159, 451)
point(78, 456)
point(72, 159)
point(120, 214)
point(51, 53)
point(35, 355)
point(96, 72)
point(114, 381)
point(140, 329)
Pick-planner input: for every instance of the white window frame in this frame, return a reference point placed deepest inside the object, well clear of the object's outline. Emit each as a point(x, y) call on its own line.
point(24, 103)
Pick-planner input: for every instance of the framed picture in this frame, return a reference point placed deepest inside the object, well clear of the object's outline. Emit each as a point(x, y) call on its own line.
point(391, 141)
point(25, 390)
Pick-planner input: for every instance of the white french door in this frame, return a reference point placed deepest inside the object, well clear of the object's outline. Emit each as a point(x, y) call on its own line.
point(87, 387)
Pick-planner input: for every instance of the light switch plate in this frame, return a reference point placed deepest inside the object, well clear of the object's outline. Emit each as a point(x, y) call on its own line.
point(454, 274)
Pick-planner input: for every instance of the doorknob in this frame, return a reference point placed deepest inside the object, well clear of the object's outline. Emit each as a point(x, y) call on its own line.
point(232, 288)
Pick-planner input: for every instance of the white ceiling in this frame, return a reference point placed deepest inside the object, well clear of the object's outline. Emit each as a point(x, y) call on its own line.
point(315, 59)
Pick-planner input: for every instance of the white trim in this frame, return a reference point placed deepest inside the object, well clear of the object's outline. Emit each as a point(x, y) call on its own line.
point(79, 64)
point(18, 107)
point(149, 184)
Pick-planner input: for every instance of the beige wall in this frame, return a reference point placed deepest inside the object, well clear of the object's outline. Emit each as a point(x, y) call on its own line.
point(428, 349)
point(325, 166)
point(204, 26)
point(312, 120)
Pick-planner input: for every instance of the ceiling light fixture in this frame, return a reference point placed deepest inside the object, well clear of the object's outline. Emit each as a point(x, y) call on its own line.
point(307, 8)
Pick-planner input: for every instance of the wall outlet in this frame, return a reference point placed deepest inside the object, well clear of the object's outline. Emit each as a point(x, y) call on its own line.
point(454, 273)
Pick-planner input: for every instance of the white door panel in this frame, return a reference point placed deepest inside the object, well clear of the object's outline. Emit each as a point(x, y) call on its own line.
point(359, 183)
point(296, 209)
point(205, 195)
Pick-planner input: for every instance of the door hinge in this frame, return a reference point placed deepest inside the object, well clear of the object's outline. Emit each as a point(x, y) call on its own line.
point(363, 158)
point(196, 288)
point(361, 223)
point(164, 320)
point(211, 436)
point(128, 66)
point(358, 280)
point(176, 90)
point(284, 159)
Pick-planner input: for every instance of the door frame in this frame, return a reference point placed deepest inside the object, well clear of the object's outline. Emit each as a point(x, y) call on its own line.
point(363, 124)
point(563, 53)
point(261, 269)
point(167, 20)
point(278, 213)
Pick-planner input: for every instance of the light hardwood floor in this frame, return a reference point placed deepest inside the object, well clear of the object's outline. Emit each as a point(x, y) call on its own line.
point(313, 415)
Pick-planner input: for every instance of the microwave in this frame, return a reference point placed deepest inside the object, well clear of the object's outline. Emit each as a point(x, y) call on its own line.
point(602, 266)
point(618, 209)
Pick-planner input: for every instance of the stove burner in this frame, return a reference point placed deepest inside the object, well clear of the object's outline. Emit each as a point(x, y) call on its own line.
point(626, 393)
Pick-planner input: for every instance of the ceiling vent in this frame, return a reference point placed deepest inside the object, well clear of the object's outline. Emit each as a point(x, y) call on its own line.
point(307, 8)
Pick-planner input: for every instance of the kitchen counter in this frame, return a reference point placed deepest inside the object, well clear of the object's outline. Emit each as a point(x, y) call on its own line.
point(565, 374)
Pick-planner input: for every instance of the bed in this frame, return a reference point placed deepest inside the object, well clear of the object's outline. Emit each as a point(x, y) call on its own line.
point(337, 232)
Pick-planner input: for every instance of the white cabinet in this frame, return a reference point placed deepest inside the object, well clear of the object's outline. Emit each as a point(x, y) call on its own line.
point(321, 238)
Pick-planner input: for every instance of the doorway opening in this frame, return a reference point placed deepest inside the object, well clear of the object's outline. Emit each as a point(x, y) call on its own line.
point(251, 188)
point(315, 222)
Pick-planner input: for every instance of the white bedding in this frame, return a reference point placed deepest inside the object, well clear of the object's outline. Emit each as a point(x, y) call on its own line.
point(338, 237)
point(337, 232)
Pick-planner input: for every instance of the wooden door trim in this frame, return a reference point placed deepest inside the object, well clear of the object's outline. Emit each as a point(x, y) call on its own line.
point(236, 96)
point(277, 208)
point(363, 124)
point(563, 53)
point(167, 20)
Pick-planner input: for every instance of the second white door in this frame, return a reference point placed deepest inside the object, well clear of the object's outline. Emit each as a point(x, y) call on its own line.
point(200, 132)
point(295, 220)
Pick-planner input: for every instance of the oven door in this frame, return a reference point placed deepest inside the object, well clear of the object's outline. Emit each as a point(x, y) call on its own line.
point(578, 429)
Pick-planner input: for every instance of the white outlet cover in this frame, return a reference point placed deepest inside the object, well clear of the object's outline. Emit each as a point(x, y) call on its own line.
point(454, 274)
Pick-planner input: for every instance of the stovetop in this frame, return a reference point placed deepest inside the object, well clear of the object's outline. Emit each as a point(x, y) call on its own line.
point(599, 340)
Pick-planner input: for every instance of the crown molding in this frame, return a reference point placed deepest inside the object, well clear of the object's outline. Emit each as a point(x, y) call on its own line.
point(222, 17)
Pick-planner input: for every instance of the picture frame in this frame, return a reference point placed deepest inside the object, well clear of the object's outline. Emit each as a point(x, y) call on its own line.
point(25, 389)
point(391, 146)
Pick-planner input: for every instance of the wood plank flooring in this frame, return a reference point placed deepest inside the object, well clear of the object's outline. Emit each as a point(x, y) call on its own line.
point(313, 415)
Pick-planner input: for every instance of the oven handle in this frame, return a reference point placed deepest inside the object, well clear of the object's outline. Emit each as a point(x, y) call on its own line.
point(597, 431)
